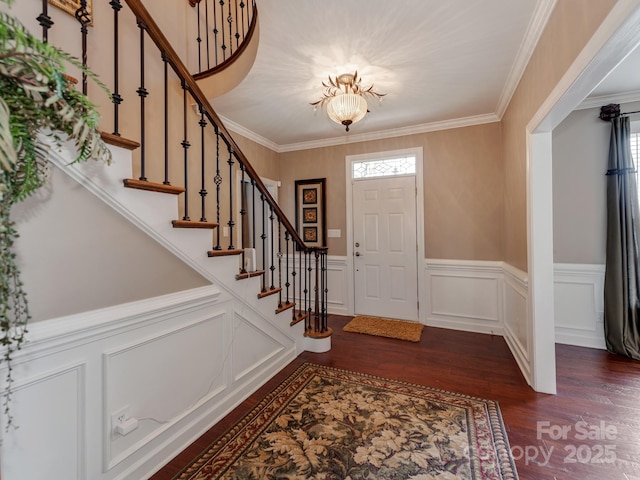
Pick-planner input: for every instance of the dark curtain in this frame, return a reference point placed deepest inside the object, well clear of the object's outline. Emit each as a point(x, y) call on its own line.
point(621, 282)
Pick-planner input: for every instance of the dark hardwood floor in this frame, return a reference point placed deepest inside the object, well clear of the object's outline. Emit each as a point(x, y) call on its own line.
point(590, 430)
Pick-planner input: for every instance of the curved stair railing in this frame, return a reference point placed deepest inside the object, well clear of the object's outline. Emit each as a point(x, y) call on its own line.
point(224, 29)
point(218, 186)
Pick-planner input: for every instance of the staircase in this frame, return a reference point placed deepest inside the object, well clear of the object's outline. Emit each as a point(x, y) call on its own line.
point(183, 150)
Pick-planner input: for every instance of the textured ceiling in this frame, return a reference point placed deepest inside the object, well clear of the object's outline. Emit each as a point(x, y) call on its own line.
point(439, 62)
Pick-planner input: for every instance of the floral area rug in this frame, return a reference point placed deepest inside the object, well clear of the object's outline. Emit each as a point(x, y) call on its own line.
point(325, 423)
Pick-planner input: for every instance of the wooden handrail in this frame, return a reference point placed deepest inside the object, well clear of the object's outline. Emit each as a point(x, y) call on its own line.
point(156, 35)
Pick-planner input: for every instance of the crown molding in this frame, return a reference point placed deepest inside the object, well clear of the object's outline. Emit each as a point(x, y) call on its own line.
point(362, 137)
point(395, 132)
point(245, 132)
point(536, 26)
point(598, 101)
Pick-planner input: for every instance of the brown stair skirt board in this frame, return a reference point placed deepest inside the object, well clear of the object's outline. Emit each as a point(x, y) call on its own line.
point(312, 334)
point(192, 224)
point(266, 293)
point(285, 306)
point(242, 276)
point(151, 186)
point(118, 141)
point(222, 252)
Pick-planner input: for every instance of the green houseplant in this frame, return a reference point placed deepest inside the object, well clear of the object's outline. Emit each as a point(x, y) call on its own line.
point(38, 108)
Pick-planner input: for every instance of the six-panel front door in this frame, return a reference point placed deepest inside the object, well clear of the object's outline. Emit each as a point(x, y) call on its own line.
point(385, 247)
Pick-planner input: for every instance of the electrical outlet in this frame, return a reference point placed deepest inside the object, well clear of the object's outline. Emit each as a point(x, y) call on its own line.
point(225, 231)
point(119, 417)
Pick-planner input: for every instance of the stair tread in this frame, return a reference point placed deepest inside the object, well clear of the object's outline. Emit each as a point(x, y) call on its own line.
point(242, 276)
point(192, 224)
point(118, 141)
point(272, 291)
point(152, 186)
point(300, 316)
point(223, 252)
point(285, 306)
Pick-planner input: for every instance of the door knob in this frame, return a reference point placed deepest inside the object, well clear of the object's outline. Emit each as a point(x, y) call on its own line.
point(357, 254)
point(357, 244)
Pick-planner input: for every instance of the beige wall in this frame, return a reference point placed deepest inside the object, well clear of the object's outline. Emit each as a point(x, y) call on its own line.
point(571, 25)
point(580, 151)
point(462, 188)
point(77, 254)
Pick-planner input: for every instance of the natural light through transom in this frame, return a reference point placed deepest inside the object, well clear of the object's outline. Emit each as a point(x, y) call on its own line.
point(385, 167)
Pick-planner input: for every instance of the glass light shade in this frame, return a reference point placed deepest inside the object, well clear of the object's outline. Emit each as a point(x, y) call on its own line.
point(347, 108)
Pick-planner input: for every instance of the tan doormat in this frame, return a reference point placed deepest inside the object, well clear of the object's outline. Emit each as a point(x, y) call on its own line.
point(384, 327)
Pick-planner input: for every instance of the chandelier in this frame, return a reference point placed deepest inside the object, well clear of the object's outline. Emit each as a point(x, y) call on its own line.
point(345, 100)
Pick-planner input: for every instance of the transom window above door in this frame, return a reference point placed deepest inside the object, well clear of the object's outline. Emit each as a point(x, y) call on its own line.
point(387, 167)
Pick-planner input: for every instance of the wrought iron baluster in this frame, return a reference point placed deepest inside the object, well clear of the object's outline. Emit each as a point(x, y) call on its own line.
point(116, 98)
point(307, 294)
point(206, 28)
point(280, 262)
point(237, 34)
point(316, 317)
point(304, 306)
point(199, 39)
point(302, 273)
point(45, 21)
point(286, 259)
point(231, 223)
point(223, 47)
point(242, 7)
point(253, 213)
point(294, 247)
point(185, 146)
point(325, 292)
point(272, 266)
point(215, 31)
point(243, 216)
point(83, 16)
point(218, 181)
point(165, 61)
point(263, 236)
point(203, 192)
point(230, 22)
point(142, 93)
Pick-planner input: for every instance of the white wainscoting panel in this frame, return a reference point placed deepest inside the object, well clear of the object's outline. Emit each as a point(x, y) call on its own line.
point(177, 363)
point(337, 280)
point(579, 304)
point(516, 317)
point(464, 295)
point(54, 405)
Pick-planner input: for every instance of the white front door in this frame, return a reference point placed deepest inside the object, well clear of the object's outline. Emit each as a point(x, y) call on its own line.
point(385, 247)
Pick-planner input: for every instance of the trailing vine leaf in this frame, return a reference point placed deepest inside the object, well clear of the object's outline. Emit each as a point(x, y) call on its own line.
point(35, 99)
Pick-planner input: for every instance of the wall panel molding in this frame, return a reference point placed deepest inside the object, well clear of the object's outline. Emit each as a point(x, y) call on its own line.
point(176, 363)
point(579, 304)
point(464, 295)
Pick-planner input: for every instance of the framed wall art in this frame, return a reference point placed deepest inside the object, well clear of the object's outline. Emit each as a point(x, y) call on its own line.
point(311, 211)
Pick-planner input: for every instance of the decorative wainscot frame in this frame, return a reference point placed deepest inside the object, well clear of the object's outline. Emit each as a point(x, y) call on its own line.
point(311, 215)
